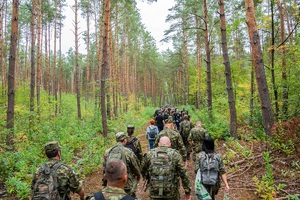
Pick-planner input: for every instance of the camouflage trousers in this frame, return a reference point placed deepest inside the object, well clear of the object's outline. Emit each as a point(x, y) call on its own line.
point(176, 197)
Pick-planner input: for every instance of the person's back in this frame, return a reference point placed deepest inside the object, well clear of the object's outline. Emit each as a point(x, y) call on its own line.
point(176, 140)
point(163, 168)
point(116, 176)
point(197, 134)
point(160, 121)
point(131, 162)
point(67, 179)
point(211, 168)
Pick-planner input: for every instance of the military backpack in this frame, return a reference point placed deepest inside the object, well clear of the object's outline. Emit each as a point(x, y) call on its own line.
point(186, 128)
point(209, 166)
point(116, 152)
point(46, 186)
point(162, 174)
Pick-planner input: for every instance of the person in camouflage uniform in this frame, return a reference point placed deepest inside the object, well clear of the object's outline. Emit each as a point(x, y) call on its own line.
point(196, 137)
point(116, 176)
point(68, 180)
point(179, 171)
point(184, 129)
point(208, 147)
point(132, 164)
point(134, 143)
point(176, 140)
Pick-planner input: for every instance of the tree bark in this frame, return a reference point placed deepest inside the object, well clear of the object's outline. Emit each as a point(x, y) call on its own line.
point(32, 61)
point(1, 49)
point(54, 59)
point(11, 73)
point(231, 101)
point(266, 108)
point(285, 93)
point(105, 64)
point(76, 62)
point(39, 54)
point(208, 62)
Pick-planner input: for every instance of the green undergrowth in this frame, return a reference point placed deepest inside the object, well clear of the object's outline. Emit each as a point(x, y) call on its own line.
point(82, 141)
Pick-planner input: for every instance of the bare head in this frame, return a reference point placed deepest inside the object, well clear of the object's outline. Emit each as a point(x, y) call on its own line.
point(116, 173)
point(199, 123)
point(164, 140)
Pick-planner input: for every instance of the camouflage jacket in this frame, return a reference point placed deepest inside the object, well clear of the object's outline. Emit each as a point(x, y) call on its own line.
point(185, 123)
point(68, 180)
point(196, 137)
point(137, 146)
point(179, 168)
point(111, 193)
point(132, 164)
point(176, 141)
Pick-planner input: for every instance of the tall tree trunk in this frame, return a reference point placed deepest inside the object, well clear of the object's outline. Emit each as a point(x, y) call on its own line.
point(76, 62)
point(60, 83)
point(32, 62)
point(54, 58)
point(39, 54)
point(11, 74)
point(1, 48)
point(208, 66)
point(198, 64)
point(185, 63)
point(231, 101)
point(87, 81)
point(285, 94)
point(116, 62)
point(266, 107)
point(105, 64)
point(275, 91)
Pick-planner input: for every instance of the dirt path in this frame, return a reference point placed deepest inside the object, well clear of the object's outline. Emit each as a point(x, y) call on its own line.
point(93, 182)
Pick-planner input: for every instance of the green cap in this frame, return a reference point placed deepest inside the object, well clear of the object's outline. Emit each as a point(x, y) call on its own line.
point(51, 146)
point(120, 136)
point(169, 120)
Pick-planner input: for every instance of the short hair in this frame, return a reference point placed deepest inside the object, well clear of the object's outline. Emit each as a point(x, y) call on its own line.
point(152, 121)
point(52, 154)
point(115, 170)
point(185, 117)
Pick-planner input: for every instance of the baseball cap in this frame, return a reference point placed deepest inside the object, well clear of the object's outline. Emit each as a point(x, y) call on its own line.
point(120, 136)
point(51, 146)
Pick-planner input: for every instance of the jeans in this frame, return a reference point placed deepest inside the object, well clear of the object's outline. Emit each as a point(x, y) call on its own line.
point(151, 144)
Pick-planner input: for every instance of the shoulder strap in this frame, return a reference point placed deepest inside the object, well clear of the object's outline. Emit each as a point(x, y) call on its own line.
point(99, 196)
point(56, 166)
point(134, 139)
point(127, 197)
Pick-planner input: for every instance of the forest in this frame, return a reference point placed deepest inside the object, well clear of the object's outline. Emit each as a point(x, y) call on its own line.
point(233, 64)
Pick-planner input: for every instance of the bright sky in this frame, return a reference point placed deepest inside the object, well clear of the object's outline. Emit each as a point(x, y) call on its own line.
point(153, 17)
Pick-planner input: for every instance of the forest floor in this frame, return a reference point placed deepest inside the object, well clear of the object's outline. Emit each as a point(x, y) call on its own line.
point(240, 172)
point(240, 178)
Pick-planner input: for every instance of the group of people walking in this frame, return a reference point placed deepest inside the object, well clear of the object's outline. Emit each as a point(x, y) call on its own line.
point(124, 164)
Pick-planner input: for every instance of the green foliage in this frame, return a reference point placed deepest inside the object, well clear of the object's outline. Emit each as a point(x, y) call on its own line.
point(265, 187)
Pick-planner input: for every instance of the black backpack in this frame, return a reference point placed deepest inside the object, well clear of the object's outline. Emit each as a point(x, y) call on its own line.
point(131, 146)
point(46, 186)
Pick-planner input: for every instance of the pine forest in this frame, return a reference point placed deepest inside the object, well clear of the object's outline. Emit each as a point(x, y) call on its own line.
point(233, 64)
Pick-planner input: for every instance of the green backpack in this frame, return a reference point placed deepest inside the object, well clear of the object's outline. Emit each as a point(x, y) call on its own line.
point(116, 152)
point(186, 129)
point(161, 174)
point(46, 186)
